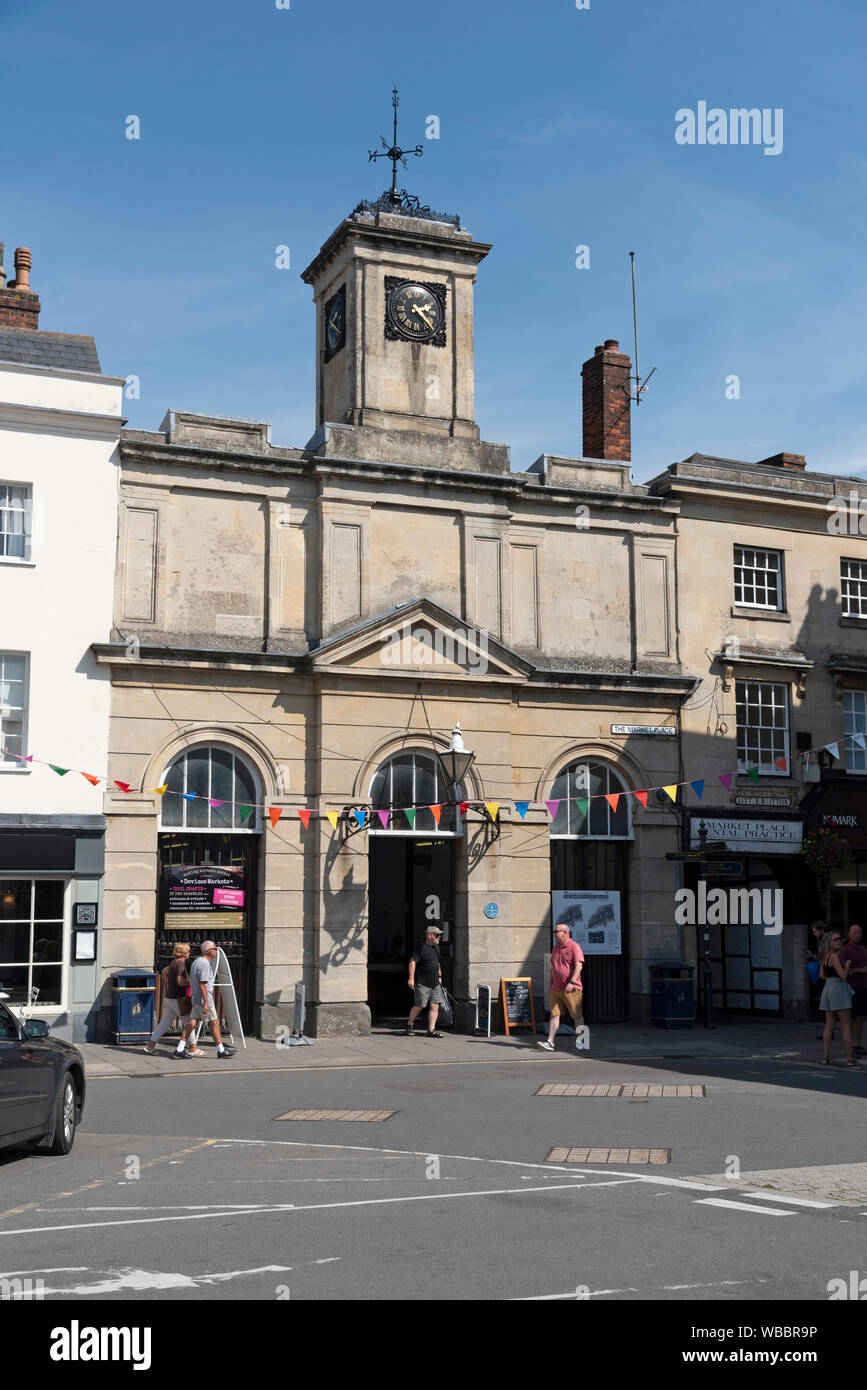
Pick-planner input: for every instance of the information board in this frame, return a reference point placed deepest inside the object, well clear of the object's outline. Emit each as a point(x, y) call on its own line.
point(593, 919)
point(516, 1001)
point(204, 895)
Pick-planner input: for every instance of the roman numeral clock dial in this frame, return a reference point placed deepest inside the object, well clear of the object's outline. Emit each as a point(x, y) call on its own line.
point(415, 311)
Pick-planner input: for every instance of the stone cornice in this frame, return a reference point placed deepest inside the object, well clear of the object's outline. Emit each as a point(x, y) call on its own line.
point(48, 420)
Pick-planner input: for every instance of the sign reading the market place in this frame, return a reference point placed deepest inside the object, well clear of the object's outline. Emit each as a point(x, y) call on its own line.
point(645, 730)
point(199, 896)
point(773, 836)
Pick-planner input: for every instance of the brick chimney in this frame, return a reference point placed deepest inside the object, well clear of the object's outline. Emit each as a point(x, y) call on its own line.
point(19, 306)
point(783, 461)
point(606, 393)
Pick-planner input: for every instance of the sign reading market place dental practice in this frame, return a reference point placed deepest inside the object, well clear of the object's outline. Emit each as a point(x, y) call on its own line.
point(773, 836)
point(204, 895)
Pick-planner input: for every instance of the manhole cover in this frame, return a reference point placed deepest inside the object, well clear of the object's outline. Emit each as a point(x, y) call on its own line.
point(563, 1154)
point(644, 1091)
point(362, 1116)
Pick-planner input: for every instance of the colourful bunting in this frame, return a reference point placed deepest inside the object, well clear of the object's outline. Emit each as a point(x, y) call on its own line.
point(61, 771)
point(124, 786)
point(521, 807)
point(833, 749)
point(553, 807)
point(274, 814)
point(642, 797)
point(860, 740)
point(213, 803)
point(463, 807)
point(160, 790)
point(188, 796)
point(613, 799)
point(753, 774)
point(782, 764)
point(361, 817)
point(244, 811)
point(582, 802)
point(305, 817)
point(333, 817)
point(492, 807)
point(698, 788)
point(410, 815)
point(383, 816)
point(726, 780)
point(671, 792)
point(94, 781)
point(436, 812)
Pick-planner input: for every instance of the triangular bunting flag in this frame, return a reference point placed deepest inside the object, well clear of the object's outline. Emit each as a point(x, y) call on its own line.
point(492, 807)
point(613, 800)
point(671, 792)
point(726, 779)
point(245, 811)
point(94, 781)
point(642, 797)
point(410, 815)
point(436, 812)
point(582, 802)
point(361, 817)
point(213, 803)
point(832, 748)
point(698, 788)
point(189, 796)
point(521, 808)
point(753, 774)
point(274, 814)
point(463, 807)
point(553, 807)
point(61, 771)
point(305, 817)
point(383, 816)
point(124, 786)
point(161, 791)
point(860, 740)
point(781, 763)
point(332, 816)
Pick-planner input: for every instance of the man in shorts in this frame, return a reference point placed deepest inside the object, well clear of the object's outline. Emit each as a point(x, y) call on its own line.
point(425, 981)
point(203, 1010)
point(564, 984)
point(856, 952)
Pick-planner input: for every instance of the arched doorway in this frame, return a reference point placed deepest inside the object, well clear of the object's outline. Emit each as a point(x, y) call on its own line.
point(590, 853)
point(209, 833)
point(411, 876)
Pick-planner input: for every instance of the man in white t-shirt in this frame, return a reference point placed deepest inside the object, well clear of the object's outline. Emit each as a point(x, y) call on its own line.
point(203, 1010)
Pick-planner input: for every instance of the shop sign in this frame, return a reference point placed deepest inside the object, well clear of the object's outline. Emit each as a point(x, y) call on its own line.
point(742, 836)
point(645, 730)
point(204, 895)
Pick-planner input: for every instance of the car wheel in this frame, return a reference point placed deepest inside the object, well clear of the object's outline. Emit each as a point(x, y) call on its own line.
point(64, 1118)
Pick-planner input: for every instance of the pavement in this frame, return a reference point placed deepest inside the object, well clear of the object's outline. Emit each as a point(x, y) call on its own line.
point(727, 1042)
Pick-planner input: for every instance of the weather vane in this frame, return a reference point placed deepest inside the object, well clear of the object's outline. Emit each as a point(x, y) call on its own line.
point(394, 153)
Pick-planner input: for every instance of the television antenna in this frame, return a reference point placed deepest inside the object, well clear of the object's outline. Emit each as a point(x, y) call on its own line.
point(640, 386)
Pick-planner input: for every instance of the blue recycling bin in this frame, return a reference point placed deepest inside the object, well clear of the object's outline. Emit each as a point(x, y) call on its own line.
point(132, 1004)
point(672, 994)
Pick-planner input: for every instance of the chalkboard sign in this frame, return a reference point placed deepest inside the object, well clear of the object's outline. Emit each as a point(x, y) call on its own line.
point(516, 1002)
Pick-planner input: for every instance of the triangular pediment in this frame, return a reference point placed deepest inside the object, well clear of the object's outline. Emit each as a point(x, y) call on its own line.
point(420, 639)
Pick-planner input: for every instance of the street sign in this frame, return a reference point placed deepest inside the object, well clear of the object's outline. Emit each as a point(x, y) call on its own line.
point(682, 856)
point(721, 868)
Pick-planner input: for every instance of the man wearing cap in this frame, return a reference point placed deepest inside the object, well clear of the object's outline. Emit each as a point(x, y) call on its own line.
point(203, 1010)
point(425, 981)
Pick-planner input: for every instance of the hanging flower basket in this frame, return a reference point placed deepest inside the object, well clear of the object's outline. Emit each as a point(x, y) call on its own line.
point(823, 852)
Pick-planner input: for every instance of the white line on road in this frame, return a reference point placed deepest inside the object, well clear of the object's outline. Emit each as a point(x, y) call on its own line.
point(313, 1206)
point(740, 1206)
point(573, 1297)
point(793, 1201)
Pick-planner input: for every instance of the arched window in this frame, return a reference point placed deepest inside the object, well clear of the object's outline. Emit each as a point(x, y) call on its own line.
point(223, 784)
point(588, 778)
point(413, 779)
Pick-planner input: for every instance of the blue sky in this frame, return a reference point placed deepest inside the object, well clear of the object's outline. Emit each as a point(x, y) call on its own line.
point(557, 129)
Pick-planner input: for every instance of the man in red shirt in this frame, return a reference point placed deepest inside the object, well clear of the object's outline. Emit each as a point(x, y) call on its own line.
point(856, 952)
point(565, 988)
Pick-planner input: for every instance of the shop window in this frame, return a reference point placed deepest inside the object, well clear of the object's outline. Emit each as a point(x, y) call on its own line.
point(587, 779)
point(14, 521)
point(219, 785)
point(855, 722)
point(758, 578)
point(414, 780)
point(853, 588)
point(13, 706)
point(31, 939)
point(763, 727)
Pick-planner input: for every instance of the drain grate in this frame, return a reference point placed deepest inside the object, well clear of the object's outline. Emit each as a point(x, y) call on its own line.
point(563, 1154)
point(645, 1092)
point(360, 1116)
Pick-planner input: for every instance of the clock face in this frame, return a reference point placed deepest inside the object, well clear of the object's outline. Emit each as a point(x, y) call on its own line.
point(416, 312)
point(335, 323)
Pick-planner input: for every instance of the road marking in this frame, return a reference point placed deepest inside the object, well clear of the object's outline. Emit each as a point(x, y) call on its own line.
point(312, 1206)
point(59, 1269)
point(740, 1206)
point(597, 1293)
point(793, 1201)
point(143, 1279)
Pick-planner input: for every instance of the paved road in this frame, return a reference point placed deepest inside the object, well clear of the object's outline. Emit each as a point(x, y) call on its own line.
point(189, 1182)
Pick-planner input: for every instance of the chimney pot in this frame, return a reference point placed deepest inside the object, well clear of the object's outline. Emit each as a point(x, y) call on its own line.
point(23, 262)
point(19, 306)
point(612, 344)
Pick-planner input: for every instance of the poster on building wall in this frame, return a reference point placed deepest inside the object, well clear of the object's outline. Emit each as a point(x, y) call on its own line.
point(593, 919)
point(204, 895)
